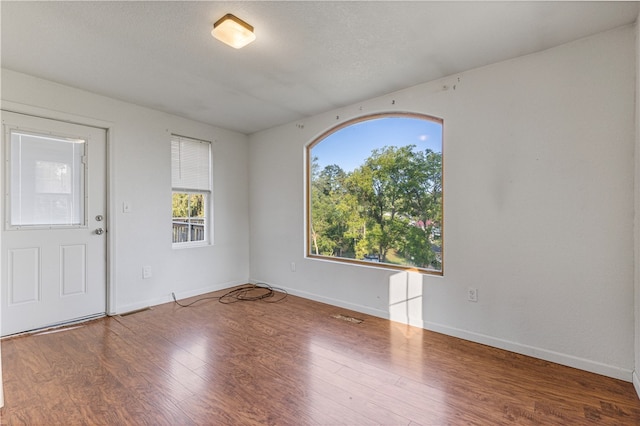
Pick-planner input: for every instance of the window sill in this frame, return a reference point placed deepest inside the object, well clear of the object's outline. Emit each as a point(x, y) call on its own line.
point(180, 246)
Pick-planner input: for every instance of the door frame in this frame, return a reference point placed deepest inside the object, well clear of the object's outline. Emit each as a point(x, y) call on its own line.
point(109, 127)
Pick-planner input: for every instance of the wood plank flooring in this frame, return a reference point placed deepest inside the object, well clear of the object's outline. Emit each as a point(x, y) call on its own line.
point(289, 363)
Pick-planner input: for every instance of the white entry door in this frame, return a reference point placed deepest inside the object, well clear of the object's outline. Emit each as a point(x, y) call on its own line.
point(53, 242)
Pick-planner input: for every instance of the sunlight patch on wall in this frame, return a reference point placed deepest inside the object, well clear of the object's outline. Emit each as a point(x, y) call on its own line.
point(405, 298)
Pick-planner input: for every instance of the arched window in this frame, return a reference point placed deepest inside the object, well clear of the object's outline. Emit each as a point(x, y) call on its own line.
point(374, 192)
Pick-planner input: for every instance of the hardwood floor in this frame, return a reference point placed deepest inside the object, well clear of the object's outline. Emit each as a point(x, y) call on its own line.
point(289, 363)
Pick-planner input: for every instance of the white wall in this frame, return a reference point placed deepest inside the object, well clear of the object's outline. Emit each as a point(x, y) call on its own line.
point(636, 373)
point(539, 208)
point(140, 174)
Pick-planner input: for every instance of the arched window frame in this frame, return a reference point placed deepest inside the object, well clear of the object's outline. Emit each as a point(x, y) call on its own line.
point(308, 201)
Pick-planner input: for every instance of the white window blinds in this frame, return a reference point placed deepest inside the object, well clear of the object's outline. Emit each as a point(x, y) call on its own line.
point(190, 164)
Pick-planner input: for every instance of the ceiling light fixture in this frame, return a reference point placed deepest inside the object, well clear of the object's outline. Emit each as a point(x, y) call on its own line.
point(233, 31)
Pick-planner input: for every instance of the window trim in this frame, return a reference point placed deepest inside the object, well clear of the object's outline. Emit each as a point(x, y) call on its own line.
point(308, 211)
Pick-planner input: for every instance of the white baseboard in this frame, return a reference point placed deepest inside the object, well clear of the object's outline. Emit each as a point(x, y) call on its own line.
point(330, 301)
point(179, 295)
point(535, 352)
point(544, 354)
point(636, 382)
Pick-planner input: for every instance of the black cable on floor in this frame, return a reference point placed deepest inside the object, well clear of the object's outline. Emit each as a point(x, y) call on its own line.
point(245, 293)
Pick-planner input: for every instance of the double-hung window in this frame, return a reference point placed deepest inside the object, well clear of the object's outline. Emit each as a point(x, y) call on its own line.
point(191, 187)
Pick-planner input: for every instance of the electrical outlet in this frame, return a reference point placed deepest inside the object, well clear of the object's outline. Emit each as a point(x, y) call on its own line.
point(146, 272)
point(472, 294)
point(293, 266)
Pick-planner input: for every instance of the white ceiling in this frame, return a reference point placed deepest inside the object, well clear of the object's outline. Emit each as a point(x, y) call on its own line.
point(309, 56)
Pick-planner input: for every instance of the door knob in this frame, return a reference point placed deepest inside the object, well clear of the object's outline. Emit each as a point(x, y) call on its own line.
point(99, 231)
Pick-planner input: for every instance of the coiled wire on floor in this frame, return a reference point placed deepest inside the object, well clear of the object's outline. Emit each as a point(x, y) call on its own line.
point(244, 293)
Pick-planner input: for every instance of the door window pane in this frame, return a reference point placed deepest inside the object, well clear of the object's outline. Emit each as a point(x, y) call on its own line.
point(47, 180)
